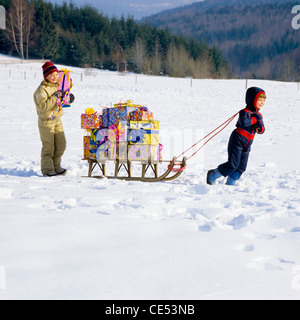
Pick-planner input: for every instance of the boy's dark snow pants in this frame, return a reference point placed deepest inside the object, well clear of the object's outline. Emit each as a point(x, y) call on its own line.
point(239, 148)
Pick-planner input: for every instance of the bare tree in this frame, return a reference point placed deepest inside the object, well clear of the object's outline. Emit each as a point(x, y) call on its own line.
point(178, 62)
point(157, 58)
point(201, 68)
point(20, 22)
point(120, 52)
point(139, 54)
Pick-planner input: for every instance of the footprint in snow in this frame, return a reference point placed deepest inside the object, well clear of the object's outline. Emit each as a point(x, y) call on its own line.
point(205, 228)
point(266, 264)
point(240, 222)
point(247, 248)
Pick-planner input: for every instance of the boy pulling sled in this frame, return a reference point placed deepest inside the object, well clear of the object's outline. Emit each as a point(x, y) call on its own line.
point(249, 123)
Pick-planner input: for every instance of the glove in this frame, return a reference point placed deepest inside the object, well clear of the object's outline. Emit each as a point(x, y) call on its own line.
point(258, 117)
point(72, 98)
point(259, 125)
point(60, 94)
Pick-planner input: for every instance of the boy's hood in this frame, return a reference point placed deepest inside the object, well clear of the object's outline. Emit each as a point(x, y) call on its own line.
point(252, 96)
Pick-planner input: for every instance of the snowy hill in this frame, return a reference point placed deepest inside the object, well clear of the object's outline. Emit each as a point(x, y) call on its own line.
point(77, 238)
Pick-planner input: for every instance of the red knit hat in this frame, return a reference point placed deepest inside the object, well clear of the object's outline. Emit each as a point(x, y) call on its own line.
point(49, 68)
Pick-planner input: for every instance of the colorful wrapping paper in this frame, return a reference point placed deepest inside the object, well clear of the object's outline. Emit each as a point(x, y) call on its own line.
point(111, 116)
point(118, 133)
point(89, 147)
point(138, 153)
point(102, 151)
point(144, 132)
point(100, 136)
point(141, 115)
point(155, 152)
point(91, 121)
point(86, 148)
point(118, 151)
point(145, 124)
point(65, 84)
point(144, 153)
point(142, 136)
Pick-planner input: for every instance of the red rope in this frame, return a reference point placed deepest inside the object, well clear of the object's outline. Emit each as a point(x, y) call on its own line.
point(222, 126)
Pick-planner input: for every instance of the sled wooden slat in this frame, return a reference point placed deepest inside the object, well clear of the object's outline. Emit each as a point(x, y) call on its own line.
point(147, 166)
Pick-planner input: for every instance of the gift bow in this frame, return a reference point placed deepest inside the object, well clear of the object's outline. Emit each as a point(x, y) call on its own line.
point(90, 111)
point(114, 133)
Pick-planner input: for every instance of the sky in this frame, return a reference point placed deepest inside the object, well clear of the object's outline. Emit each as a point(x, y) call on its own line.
point(136, 8)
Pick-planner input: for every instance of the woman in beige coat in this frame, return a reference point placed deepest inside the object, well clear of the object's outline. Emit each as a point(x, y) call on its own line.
point(50, 125)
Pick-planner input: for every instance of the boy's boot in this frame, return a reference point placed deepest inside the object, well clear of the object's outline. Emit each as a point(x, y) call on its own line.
point(50, 174)
point(233, 178)
point(212, 176)
point(231, 182)
point(61, 171)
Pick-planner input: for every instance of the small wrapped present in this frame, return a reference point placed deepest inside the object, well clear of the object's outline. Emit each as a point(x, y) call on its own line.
point(144, 132)
point(111, 116)
point(141, 115)
point(138, 153)
point(91, 119)
point(87, 148)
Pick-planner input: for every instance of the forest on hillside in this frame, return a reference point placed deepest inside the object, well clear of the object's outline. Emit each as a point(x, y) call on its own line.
point(256, 37)
point(83, 37)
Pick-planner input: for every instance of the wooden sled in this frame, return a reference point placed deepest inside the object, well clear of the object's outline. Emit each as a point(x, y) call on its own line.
point(150, 166)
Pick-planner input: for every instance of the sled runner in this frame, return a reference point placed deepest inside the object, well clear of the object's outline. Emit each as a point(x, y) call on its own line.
point(170, 174)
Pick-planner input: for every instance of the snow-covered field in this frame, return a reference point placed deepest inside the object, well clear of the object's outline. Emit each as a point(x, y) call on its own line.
point(78, 238)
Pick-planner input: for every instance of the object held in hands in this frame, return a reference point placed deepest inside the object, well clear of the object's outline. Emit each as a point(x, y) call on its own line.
point(65, 85)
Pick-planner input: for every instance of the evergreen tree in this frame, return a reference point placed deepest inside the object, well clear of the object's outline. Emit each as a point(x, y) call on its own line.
point(48, 43)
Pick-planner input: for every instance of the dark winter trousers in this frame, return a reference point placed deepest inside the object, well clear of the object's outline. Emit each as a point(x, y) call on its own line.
point(239, 148)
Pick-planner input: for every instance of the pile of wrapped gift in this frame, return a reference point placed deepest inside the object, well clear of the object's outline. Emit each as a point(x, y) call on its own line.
point(125, 132)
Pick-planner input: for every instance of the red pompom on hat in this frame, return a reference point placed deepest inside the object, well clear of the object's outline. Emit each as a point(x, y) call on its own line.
point(49, 68)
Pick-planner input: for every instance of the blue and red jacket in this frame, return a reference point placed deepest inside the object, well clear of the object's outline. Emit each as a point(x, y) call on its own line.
point(250, 120)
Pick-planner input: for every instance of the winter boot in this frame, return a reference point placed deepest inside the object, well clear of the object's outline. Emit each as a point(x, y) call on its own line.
point(61, 171)
point(231, 182)
point(50, 174)
point(212, 176)
point(233, 178)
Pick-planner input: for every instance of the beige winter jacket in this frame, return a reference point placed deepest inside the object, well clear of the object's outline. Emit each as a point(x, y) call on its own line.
point(46, 102)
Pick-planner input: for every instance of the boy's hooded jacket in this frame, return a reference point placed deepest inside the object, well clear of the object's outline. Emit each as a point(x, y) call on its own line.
point(249, 117)
point(249, 123)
